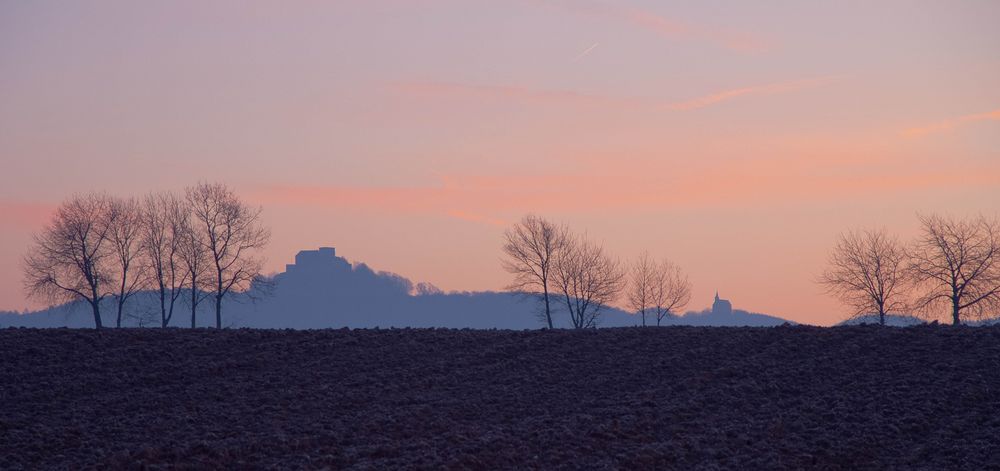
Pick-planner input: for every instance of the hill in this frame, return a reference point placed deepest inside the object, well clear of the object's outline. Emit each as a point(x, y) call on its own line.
point(323, 290)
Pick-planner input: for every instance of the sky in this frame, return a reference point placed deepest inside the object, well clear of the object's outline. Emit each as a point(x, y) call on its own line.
point(737, 139)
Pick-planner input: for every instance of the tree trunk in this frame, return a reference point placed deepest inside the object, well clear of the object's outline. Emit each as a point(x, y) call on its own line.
point(95, 305)
point(97, 314)
point(548, 312)
point(163, 307)
point(572, 315)
point(956, 318)
point(643, 317)
point(170, 312)
point(194, 306)
point(218, 312)
point(121, 296)
point(218, 295)
point(118, 324)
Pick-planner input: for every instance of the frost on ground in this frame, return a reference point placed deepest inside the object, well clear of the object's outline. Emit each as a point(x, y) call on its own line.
point(678, 397)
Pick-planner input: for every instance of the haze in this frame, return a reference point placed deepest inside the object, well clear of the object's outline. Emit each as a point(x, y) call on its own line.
point(736, 139)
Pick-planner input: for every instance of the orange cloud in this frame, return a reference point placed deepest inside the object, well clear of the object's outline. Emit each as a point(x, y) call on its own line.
point(951, 124)
point(24, 215)
point(490, 199)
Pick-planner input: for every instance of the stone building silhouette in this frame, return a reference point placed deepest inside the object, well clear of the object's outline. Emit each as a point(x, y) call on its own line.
point(722, 306)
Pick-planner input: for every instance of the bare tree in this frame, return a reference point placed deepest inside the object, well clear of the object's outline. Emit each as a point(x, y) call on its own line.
point(69, 260)
point(531, 247)
point(641, 284)
point(588, 279)
point(124, 221)
point(232, 233)
point(163, 225)
point(426, 289)
point(868, 273)
point(956, 261)
point(671, 291)
point(194, 260)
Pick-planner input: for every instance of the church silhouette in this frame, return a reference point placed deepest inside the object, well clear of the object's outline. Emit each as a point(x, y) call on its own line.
point(722, 307)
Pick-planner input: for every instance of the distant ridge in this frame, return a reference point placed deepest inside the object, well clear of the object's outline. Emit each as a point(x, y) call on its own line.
point(323, 290)
point(738, 317)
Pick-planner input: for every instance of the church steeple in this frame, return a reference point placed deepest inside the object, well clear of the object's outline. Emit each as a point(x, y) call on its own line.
point(716, 295)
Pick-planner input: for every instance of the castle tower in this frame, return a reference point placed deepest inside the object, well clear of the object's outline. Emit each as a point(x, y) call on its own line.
point(321, 261)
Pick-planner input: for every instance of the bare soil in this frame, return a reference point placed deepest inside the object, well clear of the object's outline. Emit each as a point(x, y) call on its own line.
point(858, 397)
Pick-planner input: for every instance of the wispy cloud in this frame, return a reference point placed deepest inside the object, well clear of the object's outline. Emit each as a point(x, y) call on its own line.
point(953, 123)
point(769, 89)
point(566, 97)
point(661, 25)
point(585, 53)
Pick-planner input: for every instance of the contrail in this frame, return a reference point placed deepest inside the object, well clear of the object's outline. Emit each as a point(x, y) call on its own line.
point(585, 52)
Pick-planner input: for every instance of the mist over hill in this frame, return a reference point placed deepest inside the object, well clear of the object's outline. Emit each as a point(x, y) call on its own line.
point(323, 290)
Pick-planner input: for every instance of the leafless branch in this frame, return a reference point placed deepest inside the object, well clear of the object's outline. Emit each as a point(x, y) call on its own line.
point(70, 259)
point(956, 263)
point(867, 272)
point(588, 280)
point(641, 285)
point(231, 234)
point(671, 291)
point(531, 247)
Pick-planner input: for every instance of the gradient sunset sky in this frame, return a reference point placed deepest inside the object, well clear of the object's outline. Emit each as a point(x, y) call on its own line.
point(737, 139)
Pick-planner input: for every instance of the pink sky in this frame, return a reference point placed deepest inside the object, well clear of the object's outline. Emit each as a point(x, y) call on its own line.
point(736, 139)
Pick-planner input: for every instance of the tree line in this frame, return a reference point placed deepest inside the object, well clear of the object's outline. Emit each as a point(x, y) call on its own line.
point(953, 266)
point(204, 244)
point(562, 269)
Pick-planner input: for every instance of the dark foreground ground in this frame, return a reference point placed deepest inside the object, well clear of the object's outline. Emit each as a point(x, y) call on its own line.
point(679, 397)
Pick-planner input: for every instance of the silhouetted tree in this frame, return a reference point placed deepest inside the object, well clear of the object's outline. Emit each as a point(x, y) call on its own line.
point(69, 260)
point(531, 248)
point(163, 231)
point(671, 290)
point(193, 255)
point(867, 272)
point(956, 260)
point(426, 289)
point(124, 221)
point(588, 279)
point(232, 233)
point(641, 284)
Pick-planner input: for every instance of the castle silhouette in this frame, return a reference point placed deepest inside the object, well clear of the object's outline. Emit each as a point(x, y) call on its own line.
point(323, 261)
